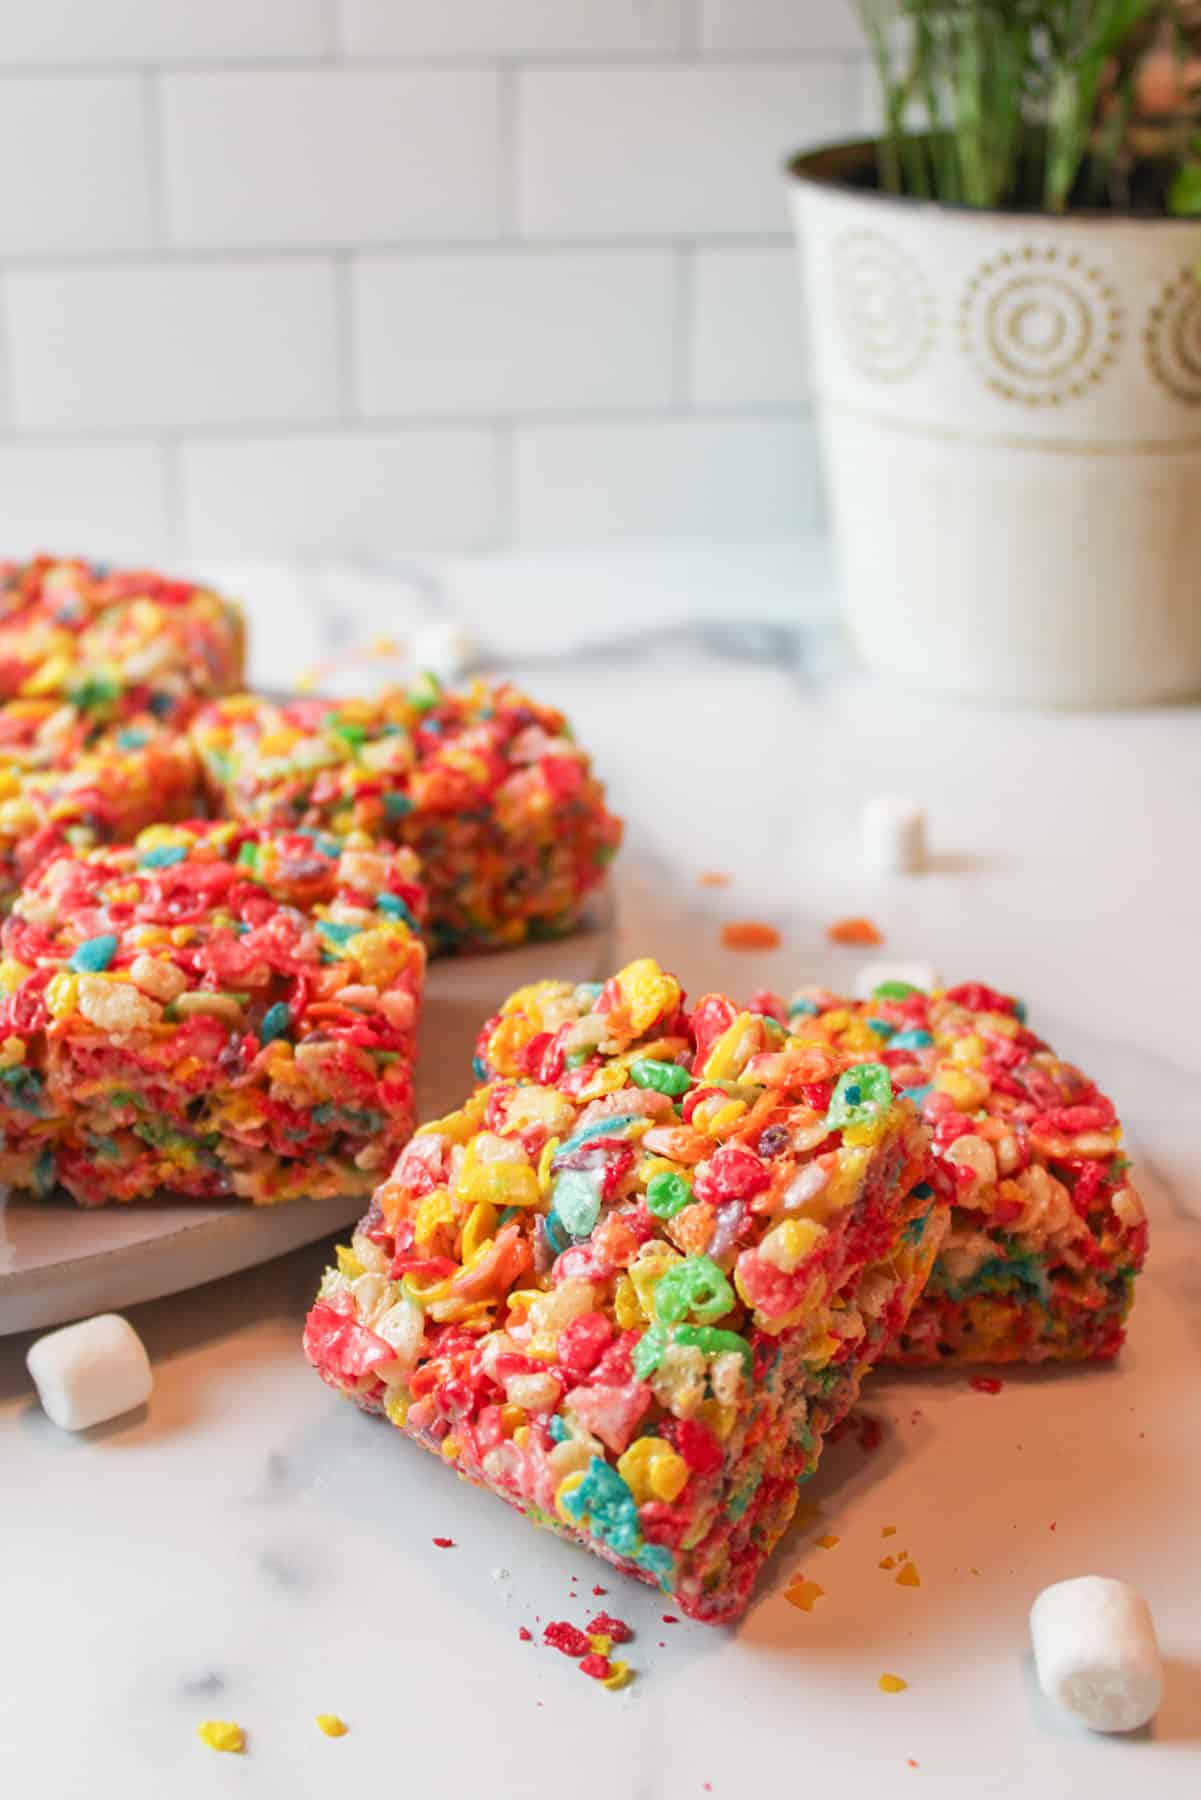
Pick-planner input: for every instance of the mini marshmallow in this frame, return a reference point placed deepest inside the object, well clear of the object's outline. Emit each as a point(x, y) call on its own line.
point(915, 974)
point(444, 647)
point(1095, 1652)
point(90, 1372)
point(893, 832)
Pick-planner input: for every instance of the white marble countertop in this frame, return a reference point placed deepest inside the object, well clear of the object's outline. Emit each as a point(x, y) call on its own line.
point(251, 1548)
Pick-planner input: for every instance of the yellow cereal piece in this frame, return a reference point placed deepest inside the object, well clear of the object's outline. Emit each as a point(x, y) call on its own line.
point(222, 1734)
point(646, 993)
point(331, 1725)
point(459, 1126)
point(512, 1418)
point(12, 974)
point(450, 1448)
point(499, 1185)
point(726, 1117)
point(970, 1049)
point(965, 1087)
point(892, 1684)
point(434, 1210)
point(909, 1577)
point(626, 1308)
point(348, 1263)
point(478, 1231)
point(804, 1595)
point(567, 1486)
point(544, 1163)
point(646, 1274)
point(733, 1049)
point(653, 1470)
point(829, 1540)
point(62, 994)
point(396, 1406)
point(601, 1643)
point(620, 1675)
point(12, 1052)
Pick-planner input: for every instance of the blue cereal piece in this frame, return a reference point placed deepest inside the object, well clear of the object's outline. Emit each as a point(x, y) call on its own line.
point(163, 856)
point(277, 1021)
point(94, 954)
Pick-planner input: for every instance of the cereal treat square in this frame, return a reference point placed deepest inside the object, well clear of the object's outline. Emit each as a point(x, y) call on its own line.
point(486, 785)
point(633, 1283)
point(113, 644)
point(213, 1010)
point(1047, 1230)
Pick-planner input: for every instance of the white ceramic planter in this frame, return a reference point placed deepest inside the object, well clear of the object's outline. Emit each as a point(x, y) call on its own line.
point(1011, 419)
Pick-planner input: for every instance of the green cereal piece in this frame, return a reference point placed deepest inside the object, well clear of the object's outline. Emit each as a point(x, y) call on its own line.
point(894, 990)
point(860, 1095)
point(648, 1351)
point(667, 1194)
point(577, 1202)
point(664, 1077)
point(712, 1342)
point(695, 1286)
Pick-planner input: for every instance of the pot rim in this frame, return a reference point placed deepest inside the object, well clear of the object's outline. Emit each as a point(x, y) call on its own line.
point(830, 166)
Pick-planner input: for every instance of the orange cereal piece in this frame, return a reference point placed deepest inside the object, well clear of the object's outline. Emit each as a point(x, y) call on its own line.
point(887, 1562)
point(909, 1576)
point(854, 931)
point(892, 1684)
point(828, 1541)
point(888, 1531)
point(749, 934)
point(713, 878)
point(804, 1594)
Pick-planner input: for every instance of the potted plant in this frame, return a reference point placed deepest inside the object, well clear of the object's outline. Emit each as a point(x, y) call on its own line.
point(1006, 298)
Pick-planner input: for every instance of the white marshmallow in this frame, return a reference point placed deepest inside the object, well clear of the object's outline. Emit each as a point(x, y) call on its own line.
point(893, 833)
point(89, 1372)
point(918, 975)
point(444, 647)
point(1095, 1652)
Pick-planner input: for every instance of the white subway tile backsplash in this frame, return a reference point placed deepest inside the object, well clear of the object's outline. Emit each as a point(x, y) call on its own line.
point(332, 156)
point(749, 338)
point(148, 31)
point(684, 478)
point(691, 149)
point(778, 25)
point(74, 155)
point(338, 493)
point(478, 28)
point(518, 331)
point(165, 345)
point(94, 500)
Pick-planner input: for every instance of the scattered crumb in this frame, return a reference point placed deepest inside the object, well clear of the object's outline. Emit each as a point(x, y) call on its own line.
point(973, 1571)
point(887, 1562)
point(892, 1684)
point(617, 1629)
point(854, 931)
point(598, 1667)
point(670, 1619)
point(500, 1574)
point(909, 1577)
point(332, 1725)
point(749, 934)
point(888, 1531)
point(828, 1541)
point(1051, 1526)
point(987, 1384)
point(871, 1432)
point(913, 1763)
point(526, 1636)
point(713, 878)
point(804, 1594)
point(222, 1734)
point(568, 1638)
point(444, 1543)
point(598, 1589)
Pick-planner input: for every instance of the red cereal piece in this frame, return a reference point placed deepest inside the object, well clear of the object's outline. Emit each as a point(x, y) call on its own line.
point(525, 1634)
point(987, 1384)
point(670, 1619)
point(749, 934)
point(445, 1543)
point(598, 1589)
point(597, 1667)
point(854, 931)
point(561, 1635)
point(605, 1625)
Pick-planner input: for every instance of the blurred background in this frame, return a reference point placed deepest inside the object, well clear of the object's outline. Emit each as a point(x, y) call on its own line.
point(313, 278)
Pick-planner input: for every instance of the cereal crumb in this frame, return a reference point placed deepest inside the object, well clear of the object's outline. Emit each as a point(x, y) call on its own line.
point(568, 1638)
point(749, 934)
point(828, 1541)
point(445, 1543)
point(620, 1675)
point(888, 1531)
point(854, 931)
point(804, 1594)
point(526, 1636)
point(332, 1725)
point(617, 1629)
point(987, 1384)
point(892, 1684)
point(887, 1562)
point(713, 878)
point(909, 1576)
point(222, 1734)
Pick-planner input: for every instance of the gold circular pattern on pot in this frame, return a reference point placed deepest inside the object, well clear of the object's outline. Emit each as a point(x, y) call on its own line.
point(1172, 338)
point(883, 305)
point(1040, 325)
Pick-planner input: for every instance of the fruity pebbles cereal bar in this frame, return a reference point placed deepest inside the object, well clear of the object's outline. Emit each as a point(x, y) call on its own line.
point(487, 787)
point(114, 644)
point(1047, 1231)
point(215, 1010)
point(633, 1282)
